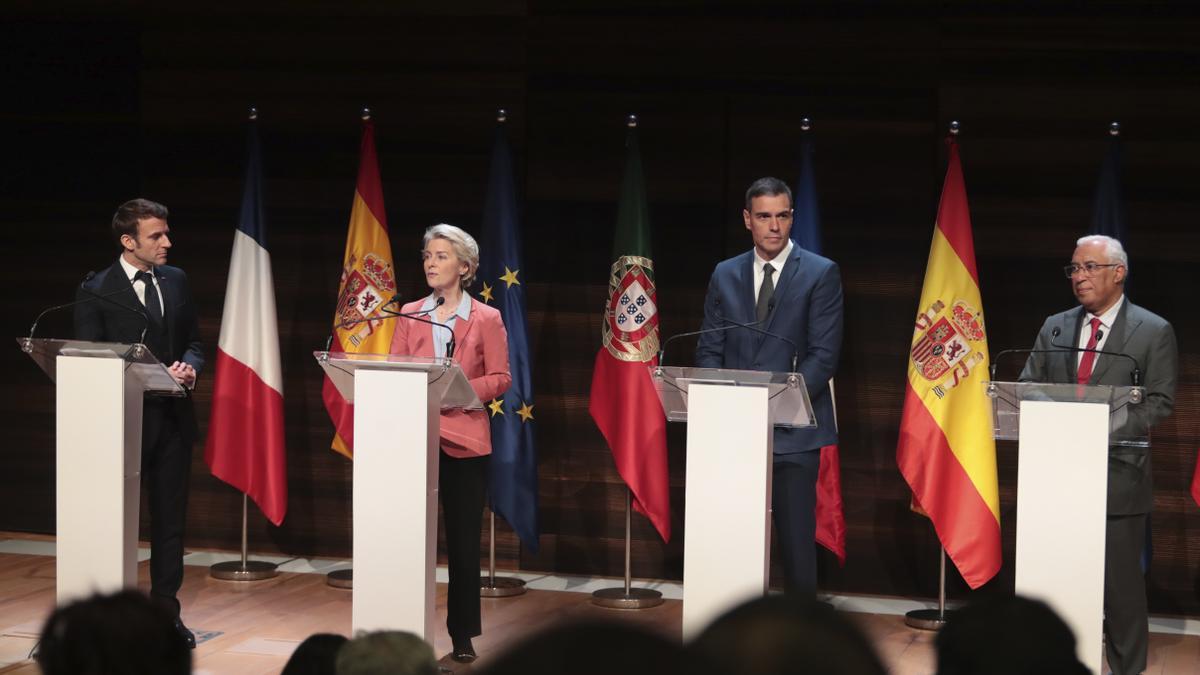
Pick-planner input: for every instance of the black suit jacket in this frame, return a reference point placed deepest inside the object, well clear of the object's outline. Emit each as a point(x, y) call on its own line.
point(1146, 337)
point(121, 318)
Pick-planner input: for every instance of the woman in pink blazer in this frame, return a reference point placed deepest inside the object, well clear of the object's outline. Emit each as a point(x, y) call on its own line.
point(478, 343)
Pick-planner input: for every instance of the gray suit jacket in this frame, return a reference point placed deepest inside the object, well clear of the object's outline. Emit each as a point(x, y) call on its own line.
point(1146, 337)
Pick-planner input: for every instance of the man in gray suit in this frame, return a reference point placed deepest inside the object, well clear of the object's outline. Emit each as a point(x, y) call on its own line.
point(1106, 320)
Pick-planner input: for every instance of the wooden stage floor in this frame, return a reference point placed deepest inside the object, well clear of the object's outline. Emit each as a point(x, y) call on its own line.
point(252, 628)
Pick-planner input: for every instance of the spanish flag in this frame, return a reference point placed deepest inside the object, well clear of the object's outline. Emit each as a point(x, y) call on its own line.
point(368, 283)
point(946, 451)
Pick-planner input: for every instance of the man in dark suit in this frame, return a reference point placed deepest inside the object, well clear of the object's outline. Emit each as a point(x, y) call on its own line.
point(141, 299)
point(1108, 321)
point(794, 294)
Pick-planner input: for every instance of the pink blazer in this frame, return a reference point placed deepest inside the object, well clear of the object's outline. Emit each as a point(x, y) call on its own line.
point(481, 350)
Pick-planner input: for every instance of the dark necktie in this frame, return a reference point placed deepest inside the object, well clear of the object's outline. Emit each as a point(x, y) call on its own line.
point(765, 291)
point(1089, 358)
point(153, 306)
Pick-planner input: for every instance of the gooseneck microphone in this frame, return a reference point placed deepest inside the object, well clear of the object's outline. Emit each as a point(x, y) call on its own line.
point(391, 314)
point(419, 316)
point(662, 349)
point(94, 296)
point(1135, 375)
point(754, 327)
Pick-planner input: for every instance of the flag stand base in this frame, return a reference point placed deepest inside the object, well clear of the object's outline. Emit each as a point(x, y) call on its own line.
point(500, 587)
point(627, 597)
point(340, 578)
point(490, 585)
point(932, 619)
point(925, 619)
point(244, 569)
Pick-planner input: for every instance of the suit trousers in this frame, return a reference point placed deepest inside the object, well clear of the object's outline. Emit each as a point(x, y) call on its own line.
point(1126, 624)
point(166, 466)
point(794, 507)
point(462, 483)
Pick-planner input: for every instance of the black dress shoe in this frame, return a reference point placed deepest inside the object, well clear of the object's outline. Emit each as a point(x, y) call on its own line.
point(186, 634)
point(463, 651)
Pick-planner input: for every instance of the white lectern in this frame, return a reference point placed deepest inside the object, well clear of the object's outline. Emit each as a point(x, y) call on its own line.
point(727, 522)
point(98, 452)
point(1063, 433)
point(397, 404)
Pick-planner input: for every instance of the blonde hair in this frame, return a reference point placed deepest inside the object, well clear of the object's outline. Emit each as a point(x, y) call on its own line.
point(465, 248)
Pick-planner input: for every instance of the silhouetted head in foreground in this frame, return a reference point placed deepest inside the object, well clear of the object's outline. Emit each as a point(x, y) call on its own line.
point(1005, 635)
point(590, 648)
point(317, 655)
point(386, 652)
point(778, 635)
point(125, 633)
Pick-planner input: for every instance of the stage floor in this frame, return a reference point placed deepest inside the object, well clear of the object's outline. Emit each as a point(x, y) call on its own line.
point(252, 628)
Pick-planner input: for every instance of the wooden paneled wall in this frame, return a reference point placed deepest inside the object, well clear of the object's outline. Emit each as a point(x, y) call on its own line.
point(135, 99)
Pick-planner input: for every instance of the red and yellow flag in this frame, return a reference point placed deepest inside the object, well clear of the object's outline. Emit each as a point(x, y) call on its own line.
point(368, 282)
point(946, 451)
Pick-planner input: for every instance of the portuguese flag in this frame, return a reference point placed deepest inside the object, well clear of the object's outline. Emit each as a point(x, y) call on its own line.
point(623, 401)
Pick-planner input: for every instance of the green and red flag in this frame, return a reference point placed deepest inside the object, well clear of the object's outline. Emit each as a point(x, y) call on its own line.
point(623, 402)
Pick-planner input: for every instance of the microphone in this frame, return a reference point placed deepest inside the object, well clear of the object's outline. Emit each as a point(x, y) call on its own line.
point(1135, 375)
point(754, 327)
point(420, 317)
point(662, 349)
point(416, 316)
point(94, 296)
point(1006, 352)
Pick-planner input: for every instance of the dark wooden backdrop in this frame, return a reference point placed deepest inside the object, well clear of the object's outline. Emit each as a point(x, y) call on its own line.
point(136, 99)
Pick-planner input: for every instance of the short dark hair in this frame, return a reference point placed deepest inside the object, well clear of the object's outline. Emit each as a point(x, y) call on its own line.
point(770, 187)
point(125, 220)
point(125, 633)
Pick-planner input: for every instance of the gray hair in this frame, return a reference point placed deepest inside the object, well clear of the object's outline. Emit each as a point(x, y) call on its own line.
point(465, 248)
point(1112, 248)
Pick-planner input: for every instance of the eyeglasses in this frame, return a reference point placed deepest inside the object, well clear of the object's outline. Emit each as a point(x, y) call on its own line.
point(1088, 268)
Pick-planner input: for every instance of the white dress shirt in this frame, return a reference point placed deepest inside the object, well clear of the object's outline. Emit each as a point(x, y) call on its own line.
point(139, 286)
point(777, 263)
point(1106, 324)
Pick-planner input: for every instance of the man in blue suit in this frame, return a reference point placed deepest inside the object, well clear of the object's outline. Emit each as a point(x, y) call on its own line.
point(789, 294)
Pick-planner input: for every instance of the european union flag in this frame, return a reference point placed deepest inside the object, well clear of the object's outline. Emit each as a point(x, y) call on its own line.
point(513, 480)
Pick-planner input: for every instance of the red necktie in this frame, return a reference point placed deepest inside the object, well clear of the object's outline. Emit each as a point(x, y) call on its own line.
point(1089, 358)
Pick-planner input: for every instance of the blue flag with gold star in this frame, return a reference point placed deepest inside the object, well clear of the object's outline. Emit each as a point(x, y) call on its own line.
point(513, 481)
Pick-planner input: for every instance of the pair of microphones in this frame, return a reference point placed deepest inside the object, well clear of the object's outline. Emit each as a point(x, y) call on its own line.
point(1135, 375)
point(419, 316)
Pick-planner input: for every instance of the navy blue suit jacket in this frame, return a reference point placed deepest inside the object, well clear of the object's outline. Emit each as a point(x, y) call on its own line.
point(807, 310)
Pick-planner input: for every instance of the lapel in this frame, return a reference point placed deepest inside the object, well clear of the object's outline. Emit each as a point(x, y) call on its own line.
point(746, 290)
point(1073, 356)
point(166, 292)
point(1118, 336)
point(115, 280)
point(790, 270)
point(463, 328)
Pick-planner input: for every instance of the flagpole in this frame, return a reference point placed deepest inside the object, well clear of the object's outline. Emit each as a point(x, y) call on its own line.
point(244, 570)
point(934, 619)
point(492, 586)
point(627, 597)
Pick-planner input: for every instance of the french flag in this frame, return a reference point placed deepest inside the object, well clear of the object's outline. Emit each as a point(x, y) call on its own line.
point(245, 445)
